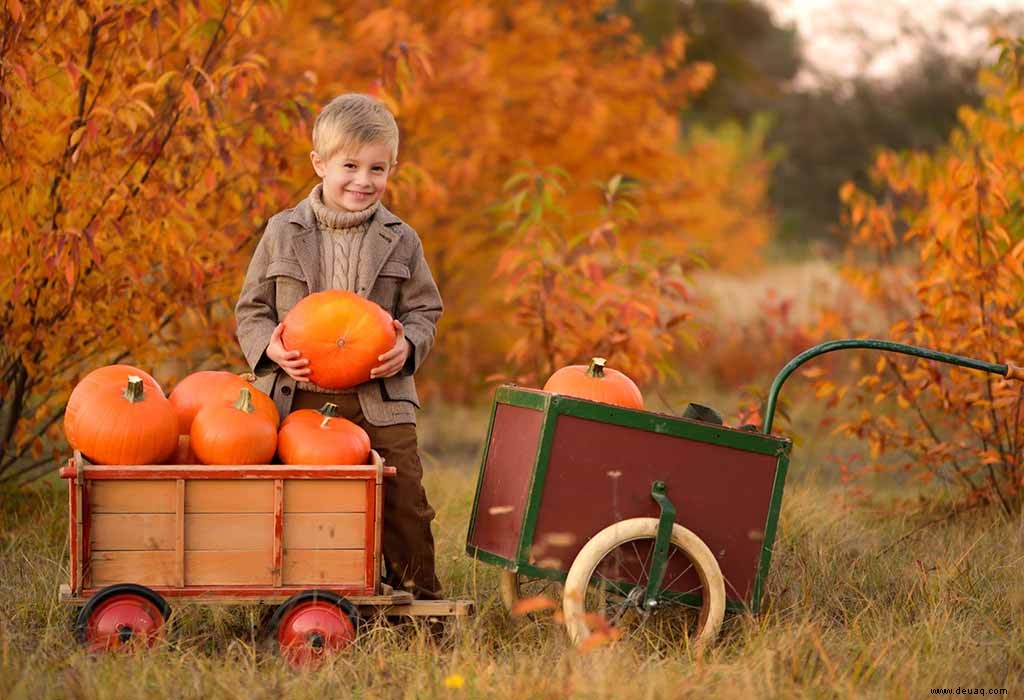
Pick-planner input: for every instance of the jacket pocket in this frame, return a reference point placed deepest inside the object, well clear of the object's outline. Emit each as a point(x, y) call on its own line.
point(399, 389)
point(393, 268)
point(388, 285)
point(290, 284)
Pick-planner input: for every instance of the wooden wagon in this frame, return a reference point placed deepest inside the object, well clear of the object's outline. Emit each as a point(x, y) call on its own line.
point(652, 522)
point(304, 538)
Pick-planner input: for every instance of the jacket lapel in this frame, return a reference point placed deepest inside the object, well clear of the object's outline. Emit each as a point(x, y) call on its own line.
point(307, 250)
point(306, 244)
point(380, 241)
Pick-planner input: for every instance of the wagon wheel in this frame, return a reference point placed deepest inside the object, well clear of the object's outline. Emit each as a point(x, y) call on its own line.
point(122, 616)
point(606, 586)
point(515, 587)
point(311, 625)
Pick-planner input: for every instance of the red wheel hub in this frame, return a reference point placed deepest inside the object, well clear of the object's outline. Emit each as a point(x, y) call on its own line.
point(123, 621)
point(311, 630)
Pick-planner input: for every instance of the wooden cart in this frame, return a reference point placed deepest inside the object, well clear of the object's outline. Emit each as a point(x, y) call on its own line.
point(652, 522)
point(304, 538)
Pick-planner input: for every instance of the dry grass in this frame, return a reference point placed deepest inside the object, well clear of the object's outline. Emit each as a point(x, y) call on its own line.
point(861, 602)
point(860, 605)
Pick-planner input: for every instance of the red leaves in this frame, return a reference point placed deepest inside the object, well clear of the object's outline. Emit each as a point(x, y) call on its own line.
point(586, 293)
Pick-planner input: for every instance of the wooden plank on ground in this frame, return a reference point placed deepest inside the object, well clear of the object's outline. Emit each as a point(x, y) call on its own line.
point(132, 531)
point(432, 608)
point(324, 530)
point(132, 496)
point(229, 496)
point(223, 568)
point(323, 566)
point(324, 496)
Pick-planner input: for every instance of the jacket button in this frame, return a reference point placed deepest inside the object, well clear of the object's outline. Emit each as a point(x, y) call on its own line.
point(286, 390)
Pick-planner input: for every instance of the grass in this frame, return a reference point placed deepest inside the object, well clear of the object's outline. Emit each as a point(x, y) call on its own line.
point(860, 603)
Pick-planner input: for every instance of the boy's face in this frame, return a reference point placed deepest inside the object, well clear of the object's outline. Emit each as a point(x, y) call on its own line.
point(354, 178)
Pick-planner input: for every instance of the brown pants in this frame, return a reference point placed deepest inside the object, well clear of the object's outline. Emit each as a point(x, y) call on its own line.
point(406, 540)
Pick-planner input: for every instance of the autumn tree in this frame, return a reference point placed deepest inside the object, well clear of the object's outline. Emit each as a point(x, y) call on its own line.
point(145, 145)
point(577, 291)
point(134, 162)
point(957, 211)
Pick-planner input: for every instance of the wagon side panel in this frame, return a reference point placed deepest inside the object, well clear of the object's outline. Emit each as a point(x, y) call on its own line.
point(326, 539)
point(505, 480)
point(130, 535)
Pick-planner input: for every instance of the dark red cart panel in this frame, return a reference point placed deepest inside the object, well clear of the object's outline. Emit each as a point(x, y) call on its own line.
point(505, 483)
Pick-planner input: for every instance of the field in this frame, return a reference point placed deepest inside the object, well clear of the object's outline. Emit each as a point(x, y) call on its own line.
point(863, 600)
point(859, 605)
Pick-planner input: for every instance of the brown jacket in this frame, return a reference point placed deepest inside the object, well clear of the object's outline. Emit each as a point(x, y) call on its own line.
point(392, 272)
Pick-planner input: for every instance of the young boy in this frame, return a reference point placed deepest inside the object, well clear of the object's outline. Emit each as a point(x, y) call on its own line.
point(341, 237)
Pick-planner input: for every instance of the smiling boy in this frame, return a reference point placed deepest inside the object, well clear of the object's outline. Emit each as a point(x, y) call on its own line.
point(342, 237)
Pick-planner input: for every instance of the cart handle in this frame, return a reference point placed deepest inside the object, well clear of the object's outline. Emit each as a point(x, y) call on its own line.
point(1009, 370)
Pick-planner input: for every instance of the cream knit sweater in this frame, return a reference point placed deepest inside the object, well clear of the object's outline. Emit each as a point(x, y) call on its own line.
point(341, 236)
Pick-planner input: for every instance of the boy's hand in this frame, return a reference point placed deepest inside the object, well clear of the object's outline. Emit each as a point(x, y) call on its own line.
point(291, 361)
point(394, 359)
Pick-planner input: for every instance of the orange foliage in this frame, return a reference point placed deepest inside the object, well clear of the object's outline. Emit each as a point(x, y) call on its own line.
point(130, 177)
point(576, 291)
point(143, 146)
point(958, 211)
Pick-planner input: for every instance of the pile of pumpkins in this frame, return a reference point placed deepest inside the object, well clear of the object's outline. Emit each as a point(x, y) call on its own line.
point(119, 414)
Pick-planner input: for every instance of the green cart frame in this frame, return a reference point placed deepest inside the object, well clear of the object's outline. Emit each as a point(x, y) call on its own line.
point(593, 497)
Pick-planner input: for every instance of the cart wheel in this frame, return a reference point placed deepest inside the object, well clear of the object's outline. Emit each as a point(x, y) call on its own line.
point(311, 625)
point(515, 587)
point(605, 588)
point(122, 616)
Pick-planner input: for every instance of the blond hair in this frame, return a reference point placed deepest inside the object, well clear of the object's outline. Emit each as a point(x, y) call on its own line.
point(354, 119)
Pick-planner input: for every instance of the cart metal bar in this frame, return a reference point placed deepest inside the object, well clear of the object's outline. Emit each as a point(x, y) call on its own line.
point(1009, 370)
point(661, 543)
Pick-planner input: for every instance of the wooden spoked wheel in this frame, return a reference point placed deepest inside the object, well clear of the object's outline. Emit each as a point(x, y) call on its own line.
point(312, 625)
point(125, 616)
point(515, 587)
point(606, 587)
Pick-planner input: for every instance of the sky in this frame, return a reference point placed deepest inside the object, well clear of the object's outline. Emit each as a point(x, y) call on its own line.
point(830, 28)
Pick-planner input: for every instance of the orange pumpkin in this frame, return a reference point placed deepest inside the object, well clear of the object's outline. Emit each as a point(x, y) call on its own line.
point(260, 401)
point(341, 334)
point(596, 382)
point(114, 417)
point(196, 389)
point(321, 437)
point(224, 433)
point(119, 375)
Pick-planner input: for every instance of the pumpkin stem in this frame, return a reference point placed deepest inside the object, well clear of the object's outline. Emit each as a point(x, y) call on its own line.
point(135, 391)
point(329, 409)
point(244, 402)
point(247, 376)
point(325, 422)
point(596, 368)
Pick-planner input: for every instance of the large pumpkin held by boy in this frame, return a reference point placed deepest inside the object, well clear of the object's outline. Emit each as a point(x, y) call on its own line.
point(341, 334)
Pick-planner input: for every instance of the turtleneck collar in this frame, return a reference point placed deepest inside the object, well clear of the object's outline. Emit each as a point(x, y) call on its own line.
point(334, 219)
